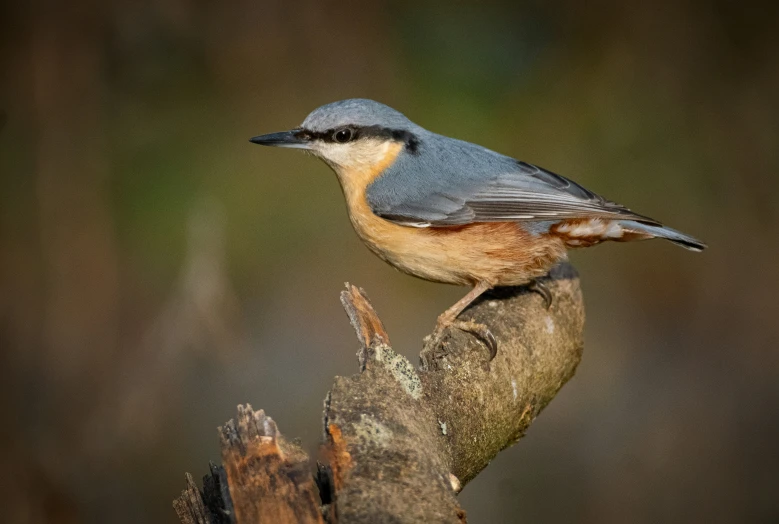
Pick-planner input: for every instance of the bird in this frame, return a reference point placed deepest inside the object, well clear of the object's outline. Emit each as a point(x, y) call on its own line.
point(454, 212)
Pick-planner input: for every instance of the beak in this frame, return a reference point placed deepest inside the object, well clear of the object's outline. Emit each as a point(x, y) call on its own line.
point(293, 139)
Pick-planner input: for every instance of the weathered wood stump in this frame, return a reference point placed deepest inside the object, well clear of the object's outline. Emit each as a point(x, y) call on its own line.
point(401, 441)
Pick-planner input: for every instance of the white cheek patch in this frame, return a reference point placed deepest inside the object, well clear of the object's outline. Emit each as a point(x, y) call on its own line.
point(359, 154)
point(594, 227)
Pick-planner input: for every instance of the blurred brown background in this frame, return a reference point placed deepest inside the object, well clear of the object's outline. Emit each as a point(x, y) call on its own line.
point(156, 269)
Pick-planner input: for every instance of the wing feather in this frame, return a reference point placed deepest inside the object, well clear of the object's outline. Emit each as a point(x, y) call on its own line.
point(525, 193)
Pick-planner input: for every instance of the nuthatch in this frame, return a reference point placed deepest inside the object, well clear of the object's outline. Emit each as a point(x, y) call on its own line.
point(450, 211)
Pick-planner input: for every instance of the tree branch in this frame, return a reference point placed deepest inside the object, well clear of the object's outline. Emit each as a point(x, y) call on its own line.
point(400, 442)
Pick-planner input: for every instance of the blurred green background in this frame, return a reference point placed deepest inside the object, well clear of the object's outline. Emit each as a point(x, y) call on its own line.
point(156, 269)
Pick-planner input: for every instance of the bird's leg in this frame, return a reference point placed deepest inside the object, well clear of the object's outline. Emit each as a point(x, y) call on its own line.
point(540, 288)
point(449, 318)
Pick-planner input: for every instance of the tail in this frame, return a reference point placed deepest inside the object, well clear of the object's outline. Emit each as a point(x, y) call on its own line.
point(639, 230)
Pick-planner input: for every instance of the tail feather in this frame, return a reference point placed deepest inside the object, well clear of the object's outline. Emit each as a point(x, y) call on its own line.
point(652, 231)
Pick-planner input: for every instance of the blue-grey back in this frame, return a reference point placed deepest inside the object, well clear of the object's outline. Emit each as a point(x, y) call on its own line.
point(446, 181)
point(435, 181)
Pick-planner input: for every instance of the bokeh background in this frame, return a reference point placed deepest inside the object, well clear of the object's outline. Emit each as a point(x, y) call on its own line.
point(156, 269)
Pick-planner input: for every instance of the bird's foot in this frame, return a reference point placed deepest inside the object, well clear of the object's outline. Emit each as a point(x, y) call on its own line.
point(480, 331)
point(540, 288)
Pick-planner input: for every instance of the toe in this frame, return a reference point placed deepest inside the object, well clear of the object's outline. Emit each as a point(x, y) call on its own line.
point(481, 332)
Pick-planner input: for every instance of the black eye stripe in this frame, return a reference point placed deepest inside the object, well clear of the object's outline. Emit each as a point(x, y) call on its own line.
point(359, 132)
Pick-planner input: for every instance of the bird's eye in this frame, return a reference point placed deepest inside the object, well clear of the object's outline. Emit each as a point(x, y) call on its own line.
point(343, 135)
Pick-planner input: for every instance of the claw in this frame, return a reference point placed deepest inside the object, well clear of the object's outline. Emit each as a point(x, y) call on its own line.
point(447, 319)
point(481, 332)
point(540, 288)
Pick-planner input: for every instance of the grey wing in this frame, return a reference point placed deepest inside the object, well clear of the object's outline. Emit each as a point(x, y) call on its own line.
point(525, 193)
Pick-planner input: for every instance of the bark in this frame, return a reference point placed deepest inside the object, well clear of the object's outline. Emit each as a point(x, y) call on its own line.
point(401, 441)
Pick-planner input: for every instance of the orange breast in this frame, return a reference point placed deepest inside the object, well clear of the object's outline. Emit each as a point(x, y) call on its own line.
point(502, 253)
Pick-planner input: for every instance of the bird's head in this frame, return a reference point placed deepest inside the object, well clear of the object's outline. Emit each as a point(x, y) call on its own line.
point(350, 134)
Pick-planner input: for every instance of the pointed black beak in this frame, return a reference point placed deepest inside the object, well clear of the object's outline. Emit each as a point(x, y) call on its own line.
point(294, 139)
